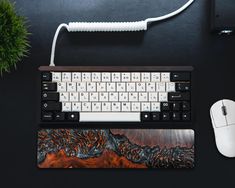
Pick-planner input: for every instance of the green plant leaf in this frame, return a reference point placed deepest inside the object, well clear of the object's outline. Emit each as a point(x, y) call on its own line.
point(14, 42)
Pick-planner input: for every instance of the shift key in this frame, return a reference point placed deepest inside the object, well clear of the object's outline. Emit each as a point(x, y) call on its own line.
point(178, 96)
point(51, 106)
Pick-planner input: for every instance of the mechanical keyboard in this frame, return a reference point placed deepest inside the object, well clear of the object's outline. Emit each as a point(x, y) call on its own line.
point(72, 94)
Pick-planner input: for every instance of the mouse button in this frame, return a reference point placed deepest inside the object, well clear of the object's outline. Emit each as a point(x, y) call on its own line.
point(230, 110)
point(219, 120)
point(225, 140)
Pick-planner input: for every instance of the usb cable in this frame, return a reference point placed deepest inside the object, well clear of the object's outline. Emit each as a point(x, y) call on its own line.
point(111, 26)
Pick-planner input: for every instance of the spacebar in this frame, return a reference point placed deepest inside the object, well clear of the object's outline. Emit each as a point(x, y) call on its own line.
point(110, 117)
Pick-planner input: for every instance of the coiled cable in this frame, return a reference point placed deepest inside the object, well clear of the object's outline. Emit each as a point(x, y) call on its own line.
point(111, 26)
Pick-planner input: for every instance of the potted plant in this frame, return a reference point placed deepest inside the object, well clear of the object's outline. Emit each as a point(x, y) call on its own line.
point(13, 36)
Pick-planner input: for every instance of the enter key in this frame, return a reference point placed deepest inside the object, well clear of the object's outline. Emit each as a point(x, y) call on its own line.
point(178, 96)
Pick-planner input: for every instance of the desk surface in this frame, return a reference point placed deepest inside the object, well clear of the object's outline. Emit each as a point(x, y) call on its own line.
point(183, 40)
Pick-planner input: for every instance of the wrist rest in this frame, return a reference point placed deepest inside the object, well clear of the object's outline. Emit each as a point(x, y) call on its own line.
point(115, 148)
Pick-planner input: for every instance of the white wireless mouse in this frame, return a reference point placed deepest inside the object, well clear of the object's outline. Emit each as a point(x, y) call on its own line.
point(223, 121)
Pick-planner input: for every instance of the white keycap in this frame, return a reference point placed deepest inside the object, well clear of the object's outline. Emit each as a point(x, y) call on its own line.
point(126, 107)
point(71, 86)
point(66, 76)
point(145, 77)
point(96, 77)
point(81, 86)
point(155, 77)
point(153, 97)
point(73, 97)
point(116, 106)
point(165, 77)
point(84, 97)
point(135, 107)
point(109, 117)
point(111, 86)
point(113, 93)
point(94, 97)
point(106, 106)
point(133, 97)
point(86, 77)
point(104, 97)
point(113, 96)
point(151, 87)
point(160, 86)
point(101, 87)
point(56, 77)
point(155, 106)
point(130, 87)
point(123, 97)
point(135, 77)
point(170, 86)
point(121, 87)
point(116, 77)
point(66, 107)
point(91, 86)
point(145, 107)
point(163, 97)
point(61, 86)
point(96, 107)
point(86, 106)
point(106, 76)
point(126, 77)
point(64, 97)
point(76, 77)
point(143, 97)
point(76, 107)
point(140, 87)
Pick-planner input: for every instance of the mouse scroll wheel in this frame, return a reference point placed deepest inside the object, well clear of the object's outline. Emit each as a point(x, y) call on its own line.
point(224, 111)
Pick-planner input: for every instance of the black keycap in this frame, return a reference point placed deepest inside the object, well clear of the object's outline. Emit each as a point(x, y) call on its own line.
point(186, 116)
point(176, 106)
point(180, 76)
point(155, 116)
point(49, 96)
point(178, 96)
point(176, 116)
point(165, 106)
point(165, 116)
point(47, 116)
point(73, 116)
point(49, 86)
point(182, 86)
point(51, 106)
point(46, 76)
point(60, 116)
point(185, 106)
point(145, 116)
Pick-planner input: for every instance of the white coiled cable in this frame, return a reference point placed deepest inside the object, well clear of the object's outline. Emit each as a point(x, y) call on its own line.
point(111, 26)
point(106, 26)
